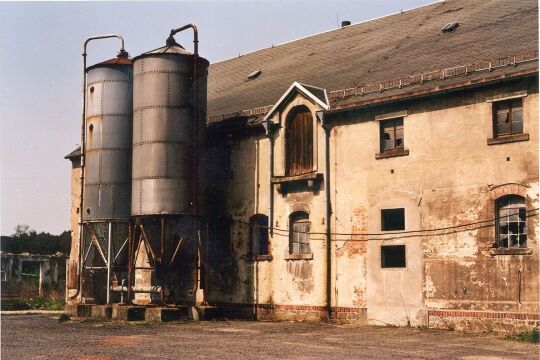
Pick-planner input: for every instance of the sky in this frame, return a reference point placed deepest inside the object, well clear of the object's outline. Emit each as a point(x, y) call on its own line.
point(40, 74)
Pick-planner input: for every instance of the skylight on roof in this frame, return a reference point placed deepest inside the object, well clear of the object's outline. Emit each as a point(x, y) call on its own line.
point(451, 27)
point(254, 74)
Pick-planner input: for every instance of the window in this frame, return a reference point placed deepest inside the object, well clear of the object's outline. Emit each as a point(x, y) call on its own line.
point(299, 233)
point(258, 227)
point(507, 117)
point(393, 256)
point(392, 134)
point(511, 222)
point(299, 142)
point(392, 219)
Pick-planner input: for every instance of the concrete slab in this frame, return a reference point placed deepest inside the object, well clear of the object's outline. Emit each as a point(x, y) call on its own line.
point(164, 314)
point(79, 310)
point(101, 312)
point(128, 312)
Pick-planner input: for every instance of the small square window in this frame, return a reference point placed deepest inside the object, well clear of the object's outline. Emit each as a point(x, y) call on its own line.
point(507, 117)
point(393, 256)
point(392, 135)
point(392, 219)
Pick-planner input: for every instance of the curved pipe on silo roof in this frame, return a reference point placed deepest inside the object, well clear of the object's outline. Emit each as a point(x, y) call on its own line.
point(170, 39)
point(122, 53)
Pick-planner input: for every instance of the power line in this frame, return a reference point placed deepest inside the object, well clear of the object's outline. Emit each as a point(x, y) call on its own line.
point(389, 234)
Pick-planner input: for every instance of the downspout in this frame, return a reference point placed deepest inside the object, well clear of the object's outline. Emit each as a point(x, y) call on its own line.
point(328, 205)
point(268, 126)
point(197, 234)
point(83, 148)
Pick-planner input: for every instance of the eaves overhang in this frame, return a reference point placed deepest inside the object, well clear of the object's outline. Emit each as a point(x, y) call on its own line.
point(436, 90)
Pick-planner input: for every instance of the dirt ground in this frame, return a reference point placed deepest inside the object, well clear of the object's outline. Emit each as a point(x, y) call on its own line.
point(43, 337)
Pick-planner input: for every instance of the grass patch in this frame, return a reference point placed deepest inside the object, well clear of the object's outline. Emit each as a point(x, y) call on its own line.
point(47, 302)
point(532, 336)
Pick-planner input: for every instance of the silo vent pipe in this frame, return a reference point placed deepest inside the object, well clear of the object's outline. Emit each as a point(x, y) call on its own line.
point(171, 41)
point(121, 53)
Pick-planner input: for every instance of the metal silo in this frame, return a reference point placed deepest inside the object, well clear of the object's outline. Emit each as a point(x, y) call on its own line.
point(169, 117)
point(106, 175)
point(164, 181)
point(108, 140)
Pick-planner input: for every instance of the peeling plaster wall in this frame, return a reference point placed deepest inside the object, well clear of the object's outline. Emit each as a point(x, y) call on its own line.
point(73, 262)
point(450, 177)
point(446, 180)
point(299, 282)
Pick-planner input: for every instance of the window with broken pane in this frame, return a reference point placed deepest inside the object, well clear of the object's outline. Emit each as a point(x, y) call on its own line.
point(511, 222)
point(299, 233)
point(508, 117)
point(392, 134)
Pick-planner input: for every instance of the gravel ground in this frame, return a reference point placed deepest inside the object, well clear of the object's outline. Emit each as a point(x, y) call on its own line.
point(43, 337)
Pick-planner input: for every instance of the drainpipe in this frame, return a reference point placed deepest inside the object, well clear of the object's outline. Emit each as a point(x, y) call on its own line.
point(328, 230)
point(83, 147)
point(268, 127)
point(197, 237)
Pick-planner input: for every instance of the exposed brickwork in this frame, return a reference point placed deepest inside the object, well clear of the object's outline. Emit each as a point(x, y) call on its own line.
point(358, 243)
point(508, 189)
point(483, 321)
point(301, 312)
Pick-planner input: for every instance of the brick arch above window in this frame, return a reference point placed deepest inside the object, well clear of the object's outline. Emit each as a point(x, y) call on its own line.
point(498, 191)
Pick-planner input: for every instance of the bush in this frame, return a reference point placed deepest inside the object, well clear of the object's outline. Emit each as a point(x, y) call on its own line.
point(527, 336)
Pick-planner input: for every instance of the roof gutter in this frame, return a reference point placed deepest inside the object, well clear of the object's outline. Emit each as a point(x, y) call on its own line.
point(456, 86)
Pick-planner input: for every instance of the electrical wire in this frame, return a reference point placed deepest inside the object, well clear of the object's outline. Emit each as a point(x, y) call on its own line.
point(388, 234)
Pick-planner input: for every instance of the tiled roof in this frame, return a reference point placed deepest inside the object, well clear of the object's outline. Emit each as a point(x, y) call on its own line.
point(388, 48)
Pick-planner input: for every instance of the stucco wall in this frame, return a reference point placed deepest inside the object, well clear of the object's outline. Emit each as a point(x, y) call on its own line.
point(449, 178)
point(72, 278)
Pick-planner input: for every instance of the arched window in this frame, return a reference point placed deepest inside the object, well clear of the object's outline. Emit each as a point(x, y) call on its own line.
point(299, 227)
point(299, 141)
point(258, 228)
point(511, 221)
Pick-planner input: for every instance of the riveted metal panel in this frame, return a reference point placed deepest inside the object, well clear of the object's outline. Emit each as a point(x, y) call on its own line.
point(108, 143)
point(163, 179)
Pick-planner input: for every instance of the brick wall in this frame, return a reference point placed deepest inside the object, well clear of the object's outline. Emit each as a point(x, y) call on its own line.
point(483, 321)
point(295, 312)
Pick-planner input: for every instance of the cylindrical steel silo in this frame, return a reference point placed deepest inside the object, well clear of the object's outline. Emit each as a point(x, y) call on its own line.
point(107, 178)
point(107, 185)
point(164, 141)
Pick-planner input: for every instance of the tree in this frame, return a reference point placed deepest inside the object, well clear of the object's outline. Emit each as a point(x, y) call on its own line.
point(28, 240)
point(23, 229)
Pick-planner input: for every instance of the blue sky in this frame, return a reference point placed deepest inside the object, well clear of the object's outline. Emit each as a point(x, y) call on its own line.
point(40, 74)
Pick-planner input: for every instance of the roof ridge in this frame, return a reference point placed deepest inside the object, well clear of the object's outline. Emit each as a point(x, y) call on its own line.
point(327, 31)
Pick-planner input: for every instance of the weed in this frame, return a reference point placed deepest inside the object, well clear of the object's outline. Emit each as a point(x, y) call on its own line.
point(526, 336)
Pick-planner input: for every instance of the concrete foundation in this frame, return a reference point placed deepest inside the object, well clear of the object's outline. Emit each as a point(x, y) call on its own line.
point(101, 312)
point(78, 310)
point(164, 314)
point(128, 313)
